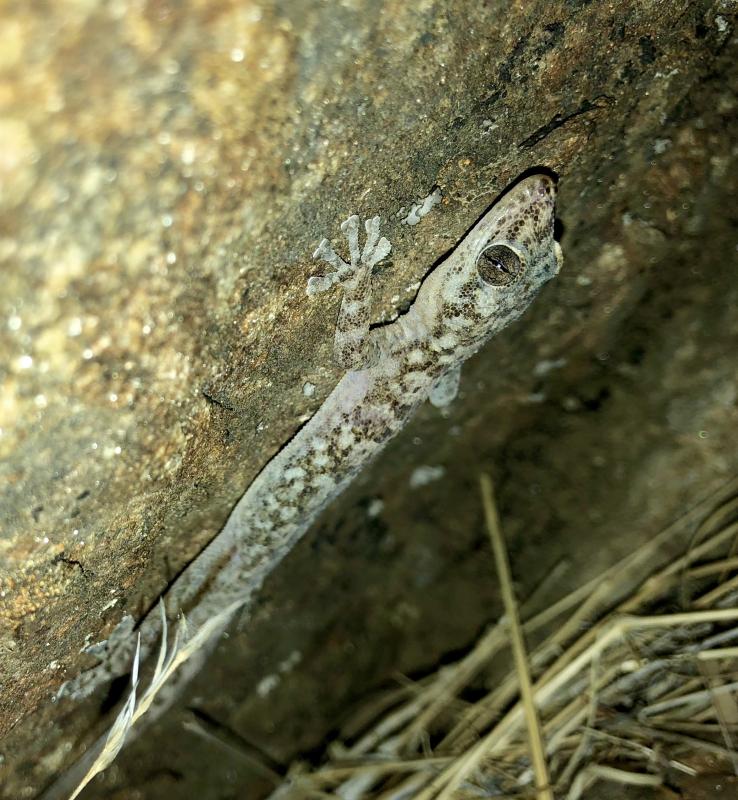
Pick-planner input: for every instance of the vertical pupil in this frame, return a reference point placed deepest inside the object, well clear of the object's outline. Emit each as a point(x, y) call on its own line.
point(498, 265)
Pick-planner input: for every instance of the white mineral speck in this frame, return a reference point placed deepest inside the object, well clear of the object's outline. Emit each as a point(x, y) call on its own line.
point(188, 154)
point(25, 362)
point(548, 365)
point(292, 660)
point(14, 322)
point(536, 397)
point(267, 685)
point(375, 508)
point(237, 54)
point(425, 475)
point(308, 389)
point(422, 207)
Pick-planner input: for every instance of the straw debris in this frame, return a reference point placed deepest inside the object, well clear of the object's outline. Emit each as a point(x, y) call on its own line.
point(633, 681)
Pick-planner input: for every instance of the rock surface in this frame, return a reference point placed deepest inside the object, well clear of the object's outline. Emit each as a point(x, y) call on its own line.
point(166, 171)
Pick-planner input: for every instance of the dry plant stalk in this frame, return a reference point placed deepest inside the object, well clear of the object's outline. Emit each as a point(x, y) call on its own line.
point(134, 708)
point(116, 737)
point(612, 649)
point(535, 736)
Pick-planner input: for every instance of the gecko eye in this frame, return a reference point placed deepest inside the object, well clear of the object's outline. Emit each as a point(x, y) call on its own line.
point(499, 265)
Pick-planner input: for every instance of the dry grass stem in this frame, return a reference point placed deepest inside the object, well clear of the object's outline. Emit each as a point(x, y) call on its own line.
point(116, 737)
point(535, 736)
point(618, 690)
point(136, 706)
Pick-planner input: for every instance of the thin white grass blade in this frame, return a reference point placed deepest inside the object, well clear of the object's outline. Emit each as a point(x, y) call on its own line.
point(595, 772)
point(118, 731)
point(167, 663)
point(180, 653)
point(164, 636)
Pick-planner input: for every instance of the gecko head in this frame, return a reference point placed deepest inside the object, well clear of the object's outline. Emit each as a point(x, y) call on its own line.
point(506, 258)
point(514, 242)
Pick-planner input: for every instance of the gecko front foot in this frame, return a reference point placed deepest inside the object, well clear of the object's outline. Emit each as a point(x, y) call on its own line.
point(353, 346)
point(375, 249)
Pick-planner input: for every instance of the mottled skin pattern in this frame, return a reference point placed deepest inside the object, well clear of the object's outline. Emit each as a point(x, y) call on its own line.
point(486, 282)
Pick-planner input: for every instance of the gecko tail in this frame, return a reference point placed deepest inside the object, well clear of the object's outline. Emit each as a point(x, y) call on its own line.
point(185, 657)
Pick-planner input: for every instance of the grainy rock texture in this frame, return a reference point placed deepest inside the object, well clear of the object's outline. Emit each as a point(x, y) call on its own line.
point(167, 168)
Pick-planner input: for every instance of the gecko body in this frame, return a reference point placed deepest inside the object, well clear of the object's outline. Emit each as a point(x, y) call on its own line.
point(484, 284)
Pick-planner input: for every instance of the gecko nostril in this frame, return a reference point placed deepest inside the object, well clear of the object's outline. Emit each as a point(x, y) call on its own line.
point(499, 265)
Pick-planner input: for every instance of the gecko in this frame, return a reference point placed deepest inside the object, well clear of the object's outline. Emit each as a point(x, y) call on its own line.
point(485, 283)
